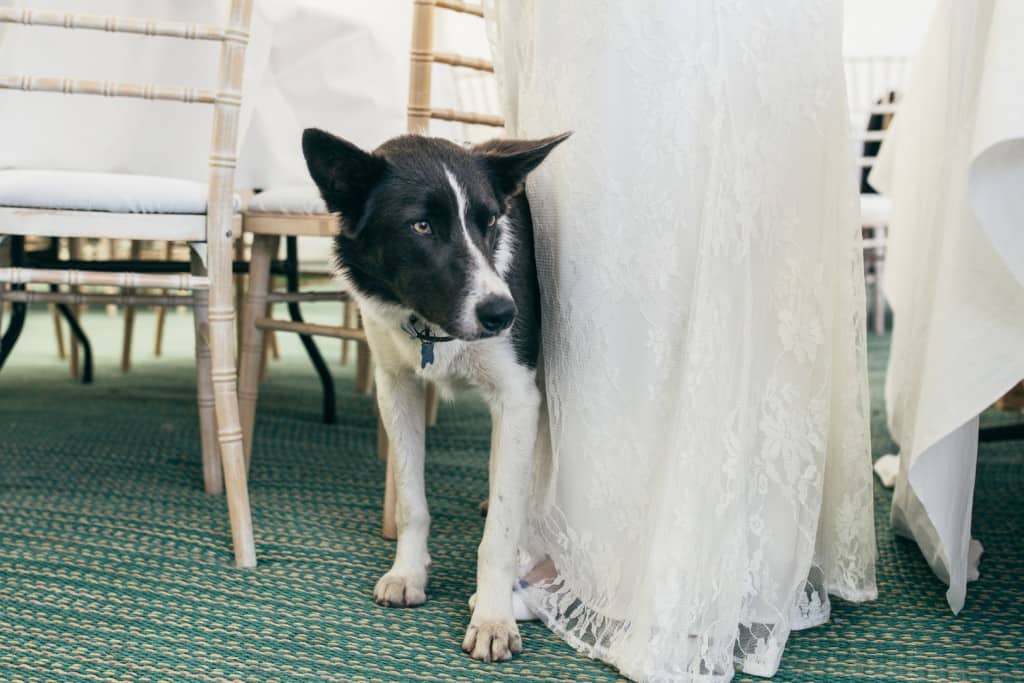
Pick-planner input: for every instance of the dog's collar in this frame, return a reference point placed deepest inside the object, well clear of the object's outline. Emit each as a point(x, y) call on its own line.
point(427, 339)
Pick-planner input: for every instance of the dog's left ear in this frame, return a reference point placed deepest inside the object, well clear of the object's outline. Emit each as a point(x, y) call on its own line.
point(510, 161)
point(344, 173)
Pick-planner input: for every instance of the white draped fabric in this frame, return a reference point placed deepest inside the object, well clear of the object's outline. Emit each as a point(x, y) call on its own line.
point(338, 65)
point(953, 165)
point(707, 483)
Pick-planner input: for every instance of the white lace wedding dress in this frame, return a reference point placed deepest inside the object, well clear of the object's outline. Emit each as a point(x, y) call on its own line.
point(708, 478)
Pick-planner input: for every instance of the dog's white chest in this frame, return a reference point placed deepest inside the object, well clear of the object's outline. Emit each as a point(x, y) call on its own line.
point(488, 364)
point(447, 364)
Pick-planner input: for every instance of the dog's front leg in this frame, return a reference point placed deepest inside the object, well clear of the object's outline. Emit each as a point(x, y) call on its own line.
point(401, 399)
point(493, 634)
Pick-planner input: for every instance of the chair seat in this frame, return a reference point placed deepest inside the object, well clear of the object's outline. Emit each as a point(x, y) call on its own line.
point(290, 211)
point(295, 201)
point(110, 192)
point(875, 210)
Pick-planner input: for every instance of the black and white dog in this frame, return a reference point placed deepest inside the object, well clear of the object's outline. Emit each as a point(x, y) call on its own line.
point(436, 246)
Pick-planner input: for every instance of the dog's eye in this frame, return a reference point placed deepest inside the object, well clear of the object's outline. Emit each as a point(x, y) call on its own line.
point(421, 228)
point(492, 220)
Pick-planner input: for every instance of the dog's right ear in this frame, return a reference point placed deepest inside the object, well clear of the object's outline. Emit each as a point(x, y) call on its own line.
point(510, 161)
point(344, 173)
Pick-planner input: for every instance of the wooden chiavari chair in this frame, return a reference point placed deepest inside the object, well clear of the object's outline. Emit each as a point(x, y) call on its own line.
point(76, 205)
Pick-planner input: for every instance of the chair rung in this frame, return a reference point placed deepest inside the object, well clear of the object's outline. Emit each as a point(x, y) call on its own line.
point(459, 60)
point(146, 91)
point(84, 277)
point(77, 299)
point(459, 6)
point(295, 297)
point(146, 27)
point(311, 329)
point(467, 117)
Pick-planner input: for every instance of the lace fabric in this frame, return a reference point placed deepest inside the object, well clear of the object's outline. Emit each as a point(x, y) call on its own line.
point(704, 474)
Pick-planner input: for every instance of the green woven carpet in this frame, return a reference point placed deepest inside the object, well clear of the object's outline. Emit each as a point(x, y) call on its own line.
point(115, 566)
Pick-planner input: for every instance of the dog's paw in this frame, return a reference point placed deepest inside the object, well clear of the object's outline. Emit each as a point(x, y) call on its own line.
point(493, 641)
point(400, 590)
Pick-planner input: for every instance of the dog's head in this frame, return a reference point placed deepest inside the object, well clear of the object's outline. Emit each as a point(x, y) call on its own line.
point(423, 222)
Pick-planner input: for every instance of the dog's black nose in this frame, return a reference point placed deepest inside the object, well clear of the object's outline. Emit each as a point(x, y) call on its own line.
point(495, 313)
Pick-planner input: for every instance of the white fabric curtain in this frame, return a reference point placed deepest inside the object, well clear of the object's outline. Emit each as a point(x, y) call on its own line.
point(953, 165)
point(299, 72)
point(708, 479)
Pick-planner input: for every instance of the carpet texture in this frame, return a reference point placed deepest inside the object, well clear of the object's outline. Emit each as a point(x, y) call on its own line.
point(115, 566)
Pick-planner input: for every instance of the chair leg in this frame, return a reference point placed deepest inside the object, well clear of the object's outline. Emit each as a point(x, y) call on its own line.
point(225, 391)
point(329, 412)
point(161, 311)
point(58, 333)
point(433, 403)
point(275, 350)
point(239, 245)
point(74, 364)
point(161, 320)
point(346, 321)
point(251, 359)
point(364, 369)
point(4, 261)
point(364, 360)
point(129, 316)
point(269, 343)
point(213, 476)
point(14, 327)
point(382, 437)
point(107, 250)
point(315, 357)
point(14, 255)
point(75, 253)
point(78, 334)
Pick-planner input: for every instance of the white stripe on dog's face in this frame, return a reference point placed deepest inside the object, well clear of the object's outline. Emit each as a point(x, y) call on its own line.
point(483, 280)
point(505, 250)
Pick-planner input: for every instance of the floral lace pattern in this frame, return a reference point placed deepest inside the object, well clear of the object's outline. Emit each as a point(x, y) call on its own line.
point(705, 481)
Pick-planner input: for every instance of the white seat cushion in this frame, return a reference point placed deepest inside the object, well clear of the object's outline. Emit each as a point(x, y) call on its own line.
point(114, 192)
point(875, 210)
point(296, 201)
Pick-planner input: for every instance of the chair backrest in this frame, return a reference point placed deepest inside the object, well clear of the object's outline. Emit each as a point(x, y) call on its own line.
point(476, 91)
point(874, 86)
point(226, 98)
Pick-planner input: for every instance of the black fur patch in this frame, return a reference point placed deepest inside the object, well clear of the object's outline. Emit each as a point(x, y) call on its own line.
point(522, 281)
